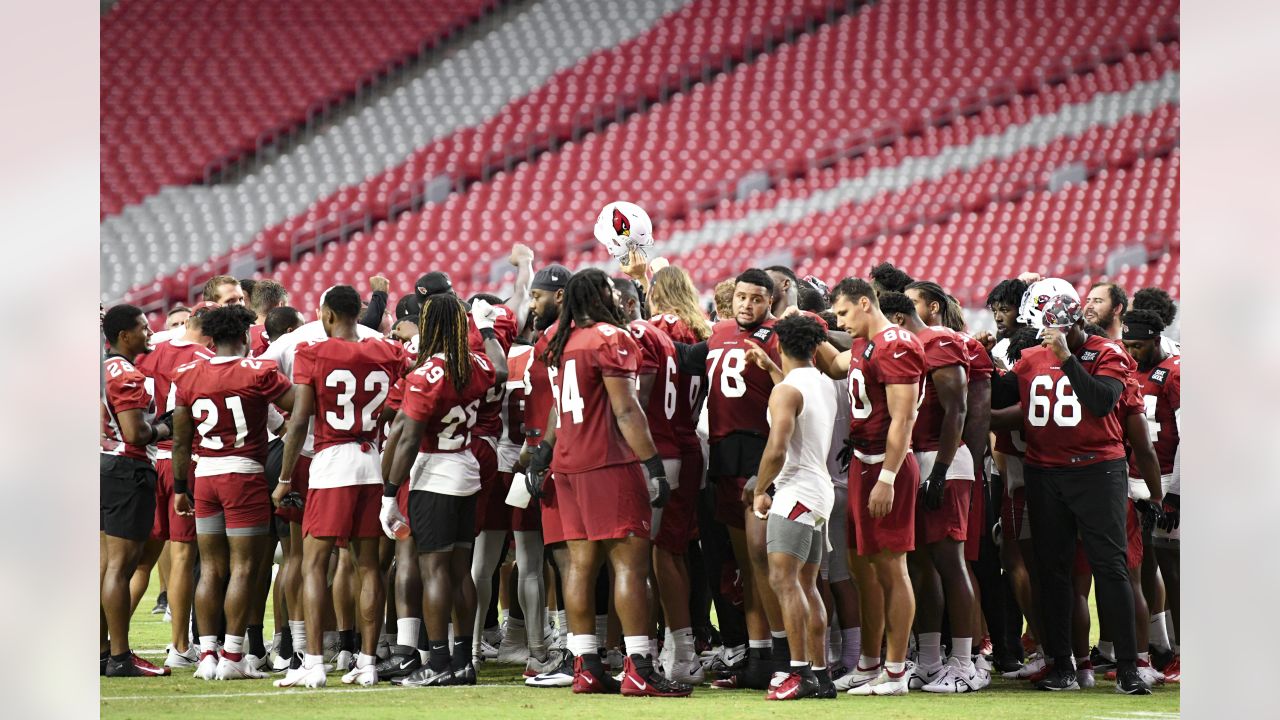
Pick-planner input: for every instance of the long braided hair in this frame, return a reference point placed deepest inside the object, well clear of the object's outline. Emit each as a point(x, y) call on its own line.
point(949, 311)
point(588, 296)
point(443, 330)
point(672, 291)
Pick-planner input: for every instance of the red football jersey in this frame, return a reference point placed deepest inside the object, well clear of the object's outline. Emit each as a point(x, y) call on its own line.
point(538, 401)
point(258, 342)
point(159, 366)
point(980, 365)
point(489, 416)
point(351, 381)
point(658, 356)
point(1160, 390)
point(587, 437)
point(429, 397)
point(228, 397)
point(737, 390)
point(893, 357)
point(1058, 430)
point(942, 348)
point(519, 361)
point(123, 388)
point(685, 422)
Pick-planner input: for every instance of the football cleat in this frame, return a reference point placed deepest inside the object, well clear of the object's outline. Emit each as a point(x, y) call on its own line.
point(236, 668)
point(403, 661)
point(103, 657)
point(1101, 663)
point(886, 684)
point(162, 604)
point(208, 665)
point(614, 660)
point(344, 661)
point(514, 648)
point(426, 677)
point(1034, 665)
point(1085, 677)
point(553, 660)
point(726, 659)
point(366, 676)
point(1057, 680)
point(955, 678)
point(281, 663)
point(689, 672)
point(465, 675)
point(593, 682)
point(175, 659)
point(1173, 673)
point(923, 676)
point(486, 651)
point(133, 666)
point(641, 679)
point(1161, 659)
point(1131, 682)
point(794, 687)
point(857, 677)
point(987, 647)
point(312, 677)
point(560, 676)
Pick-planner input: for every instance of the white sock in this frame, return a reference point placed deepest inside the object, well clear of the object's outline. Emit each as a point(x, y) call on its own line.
point(895, 667)
point(930, 650)
point(363, 660)
point(562, 621)
point(798, 664)
point(1106, 648)
point(208, 643)
point(637, 645)
point(778, 634)
point(234, 644)
point(684, 644)
point(310, 661)
point(276, 640)
point(568, 642)
point(851, 646)
point(450, 635)
point(868, 663)
point(1144, 657)
point(1160, 632)
point(298, 629)
point(407, 631)
point(962, 648)
point(581, 645)
point(759, 644)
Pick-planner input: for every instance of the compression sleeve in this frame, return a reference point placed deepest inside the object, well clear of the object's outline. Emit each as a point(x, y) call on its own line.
point(692, 359)
point(1098, 394)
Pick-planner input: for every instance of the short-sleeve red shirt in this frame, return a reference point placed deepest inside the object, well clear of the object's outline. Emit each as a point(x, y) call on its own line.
point(588, 437)
point(449, 414)
point(942, 348)
point(893, 357)
point(123, 388)
point(351, 381)
point(1160, 393)
point(737, 390)
point(658, 357)
point(228, 397)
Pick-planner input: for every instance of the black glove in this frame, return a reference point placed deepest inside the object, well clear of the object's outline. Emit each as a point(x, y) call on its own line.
point(1151, 514)
point(540, 459)
point(1172, 510)
point(533, 483)
point(292, 499)
point(166, 420)
point(656, 479)
point(845, 456)
point(935, 487)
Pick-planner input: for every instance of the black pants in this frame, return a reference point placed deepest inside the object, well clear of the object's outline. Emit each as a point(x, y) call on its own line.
point(1089, 502)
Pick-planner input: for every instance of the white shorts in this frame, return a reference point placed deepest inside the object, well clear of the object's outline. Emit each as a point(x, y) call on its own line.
point(961, 467)
point(345, 464)
point(456, 473)
point(508, 455)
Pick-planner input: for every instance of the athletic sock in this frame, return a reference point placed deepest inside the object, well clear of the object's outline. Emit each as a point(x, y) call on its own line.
point(347, 640)
point(760, 644)
point(562, 621)
point(930, 646)
point(208, 643)
point(461, 651)
point(253, 640)
point(684, 644)
point(868, 663)
point(438, 659)
point(796, 665)
point(637, 645)
point(583, 645)
point(234, 647)
point(602, 629)
point(962, 648)
point(330, 640)
point(363, 660)
point(895, 668)
point(1106, 648)
point(1160, 632)
point(407, 631)
point(781, 647)
point(123, 657)
point(1144, 657)
point(850, 646)
point(276, 641)
point(284, 648)
point(298, 629)
point(310, 661)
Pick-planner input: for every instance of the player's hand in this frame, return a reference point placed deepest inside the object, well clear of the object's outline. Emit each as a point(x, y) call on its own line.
point(520, 253)
point(1030, 277)
point(391, 517)
point(533, 482)
point(635, 265)
point(1172, 508)
point(1056, 341)
point(1151, 514)
point(935, 487)
point(881, 501)
point(845, 456)
point(282, 489)
point(658, 263)
point(483, 314)
point(987, 339)
point(791, 310)
point(182, 504)
point(655, 476)
point(380, 284)
point(760, 359)
point(540, 458)
point(762, 504)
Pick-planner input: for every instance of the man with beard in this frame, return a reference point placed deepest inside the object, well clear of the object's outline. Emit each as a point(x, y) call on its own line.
point(1105, 306)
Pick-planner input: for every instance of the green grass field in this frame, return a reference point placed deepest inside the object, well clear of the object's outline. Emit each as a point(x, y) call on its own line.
point(501, 694)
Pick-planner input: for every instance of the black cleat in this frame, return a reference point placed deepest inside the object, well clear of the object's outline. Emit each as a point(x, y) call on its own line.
point(1129, 682)
point(162, 604)
point(1101, 663)
point(1059, 680)
point(465, 675)
point(426, 677)
point(404, 661)
point(1161, 659)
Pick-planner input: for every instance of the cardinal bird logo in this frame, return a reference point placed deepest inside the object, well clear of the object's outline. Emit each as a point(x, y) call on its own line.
point(621, 225)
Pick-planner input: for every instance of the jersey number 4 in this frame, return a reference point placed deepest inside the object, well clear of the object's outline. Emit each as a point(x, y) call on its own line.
point(1056, 401)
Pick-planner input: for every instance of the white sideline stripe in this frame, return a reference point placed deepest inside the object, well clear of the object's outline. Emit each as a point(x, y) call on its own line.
point(293, 693)
point(1138, 714)
point(1104, 109)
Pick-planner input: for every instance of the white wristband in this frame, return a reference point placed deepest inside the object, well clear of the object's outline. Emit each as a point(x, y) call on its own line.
point(887, 477)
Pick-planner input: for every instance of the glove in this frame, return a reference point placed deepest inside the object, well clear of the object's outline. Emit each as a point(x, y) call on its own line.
point(1151, 514)
point(1172, 510)
point(292, 499)
point(655, 476)
point(166, 420)
point(483, 314)
point(536, 474)
point(935, 487)
point(390, 517)
point(533, 483)
point(845, 455)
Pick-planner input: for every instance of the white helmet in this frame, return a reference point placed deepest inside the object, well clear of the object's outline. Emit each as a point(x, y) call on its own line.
point(623, 227)
point(1038, 295)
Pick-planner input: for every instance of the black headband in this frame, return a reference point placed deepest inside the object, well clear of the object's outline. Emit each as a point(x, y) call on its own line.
point(1136, 330)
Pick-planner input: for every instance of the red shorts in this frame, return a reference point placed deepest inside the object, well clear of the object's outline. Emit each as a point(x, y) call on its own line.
point(729, 508)
point(949, 522)
point(896, 532)
point(552, 523)
point(169, 525)
point(608, 503)
point(301, 474)
point(1133, 553)
point(343, 512)
point(492, 510)
point(977, 524)
point(241, 498)
point(680, 516)
point(523, 519)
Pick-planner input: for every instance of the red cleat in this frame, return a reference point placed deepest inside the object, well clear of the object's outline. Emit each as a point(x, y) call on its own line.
point(1173, 673)
point(587, 682)
point(794, 687)
point(640, 679)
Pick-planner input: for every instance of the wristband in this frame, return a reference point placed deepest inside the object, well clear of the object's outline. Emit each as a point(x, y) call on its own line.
point(389, 490)
point(488, 333)
point(887, 477)
point(180, 486)
point(655, 467)
point(284, 482)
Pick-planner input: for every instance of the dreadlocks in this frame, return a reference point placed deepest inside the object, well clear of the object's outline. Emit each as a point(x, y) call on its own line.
point(588, 297)
point(949, 311)
point(443, 329)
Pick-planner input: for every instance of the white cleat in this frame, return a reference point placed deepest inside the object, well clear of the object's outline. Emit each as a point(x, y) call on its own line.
point(514, 648)
point(241, 669)
point(885, 685)
point(1150, 675)
point(955, 678)
point(689, 672)
point(1085, 678)
point(344, 661)
point(923, 676)
point(257, 663)
point(486, 651)
point(366, 676)
point(207, 667)
point(1034, 665)
point(312, 677)
point(175, 659)
point(856, 678)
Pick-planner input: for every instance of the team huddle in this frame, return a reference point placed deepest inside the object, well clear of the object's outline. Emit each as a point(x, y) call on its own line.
point(571, 478)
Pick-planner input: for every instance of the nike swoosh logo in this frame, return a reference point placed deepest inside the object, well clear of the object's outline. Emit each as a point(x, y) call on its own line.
point(414, 389)
point(590, 680)
point(944, 344)
point(405, 665)
point(639, 683)
point(622, 352)
point(788, 693)
point(898, 355)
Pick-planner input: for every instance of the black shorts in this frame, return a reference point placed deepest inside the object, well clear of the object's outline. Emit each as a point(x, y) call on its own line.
point(126, 497)
point(441, 522)
point(275, 458)
point(736, 456)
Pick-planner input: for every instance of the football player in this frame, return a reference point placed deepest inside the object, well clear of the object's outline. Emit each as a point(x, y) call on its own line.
point(267, 296)
point(1105, 307)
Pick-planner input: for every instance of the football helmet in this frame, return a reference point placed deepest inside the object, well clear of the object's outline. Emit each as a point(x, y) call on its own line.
point(623, 227)
point(1038, 295)
point(1062, 311)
